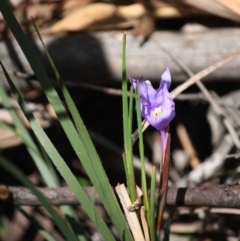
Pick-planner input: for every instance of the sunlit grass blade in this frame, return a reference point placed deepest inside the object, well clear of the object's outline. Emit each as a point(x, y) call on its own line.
point(131, 173)
point(151, 213)
point(95, 171)
point(59, 162)
point(62, 225)
point(67, 210)
point(125, 168)
point(141, 151)
point(47, 236)
point(90, 159)
point(126, 123)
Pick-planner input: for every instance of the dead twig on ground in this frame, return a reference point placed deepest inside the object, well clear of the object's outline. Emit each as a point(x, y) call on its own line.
point(226, 196)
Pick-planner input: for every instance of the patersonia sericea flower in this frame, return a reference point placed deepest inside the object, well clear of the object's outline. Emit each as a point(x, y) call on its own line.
point(157, 106)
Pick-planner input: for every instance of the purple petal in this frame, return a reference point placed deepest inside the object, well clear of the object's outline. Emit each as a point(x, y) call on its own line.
point(162, 97)
point(157, 107)
point(147, 92)
point(166, 77)
point(133, 82)
point(163, 120)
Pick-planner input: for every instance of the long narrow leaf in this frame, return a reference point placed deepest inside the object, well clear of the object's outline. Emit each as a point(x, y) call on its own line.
point(60, 163)
point(151, 216)
point(93, 167)
point(88, 151)
point(67, 210)
point(141, 150)
point(126, 123)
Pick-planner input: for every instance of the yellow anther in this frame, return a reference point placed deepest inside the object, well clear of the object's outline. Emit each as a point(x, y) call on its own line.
point(156, 112)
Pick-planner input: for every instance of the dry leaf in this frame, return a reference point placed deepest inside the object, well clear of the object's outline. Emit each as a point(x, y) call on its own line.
point(31, 95)
point(69, 5)
point(145, 26)
point(131, 217)
point(214, 7)
point(8, 139)
point(133, 11)
point(233, 5)
point(84, 18)
point(41, 13)
point(38, 110)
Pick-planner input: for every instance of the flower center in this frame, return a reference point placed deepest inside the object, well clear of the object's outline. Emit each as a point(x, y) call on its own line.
point(156, 112)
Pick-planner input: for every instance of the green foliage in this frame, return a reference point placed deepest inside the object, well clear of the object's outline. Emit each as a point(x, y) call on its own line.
point(58, 161)
point(127, 126)
point(46, 155)
point(78, 138)
point(151, 214)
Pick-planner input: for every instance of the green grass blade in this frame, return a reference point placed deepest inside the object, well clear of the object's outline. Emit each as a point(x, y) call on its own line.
point(141, 151)
point(59, 162)
point(151, 216)
point(126, 131)
point(130, 146)
point(95, 171)
point(93, 163)
point(47, 236)
point(62, 225)
point(125, 169)
point(67, 210)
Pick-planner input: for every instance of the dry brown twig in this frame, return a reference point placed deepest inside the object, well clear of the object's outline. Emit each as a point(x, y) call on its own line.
point(226, 196)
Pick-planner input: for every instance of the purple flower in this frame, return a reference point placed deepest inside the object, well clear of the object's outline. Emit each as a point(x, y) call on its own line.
point(157, 106)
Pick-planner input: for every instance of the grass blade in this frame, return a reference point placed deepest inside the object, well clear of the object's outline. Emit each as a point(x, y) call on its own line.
point(59, 162)
point(151, 216)
point(92, 166)
point(93, 163)
point(126, 123)
point(141, 151)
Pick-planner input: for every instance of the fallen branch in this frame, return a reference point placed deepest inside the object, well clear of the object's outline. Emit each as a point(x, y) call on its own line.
point(226, 196)
point(96, 57)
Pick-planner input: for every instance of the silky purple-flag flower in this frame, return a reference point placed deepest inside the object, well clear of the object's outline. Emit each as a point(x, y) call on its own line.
point(157, 106)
